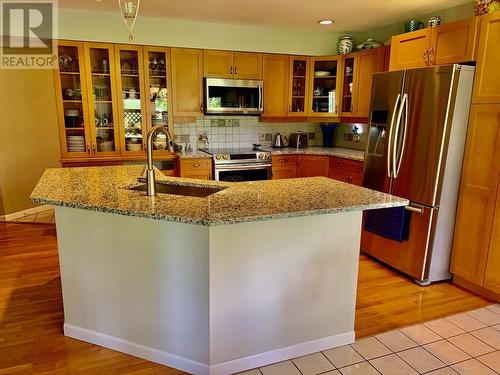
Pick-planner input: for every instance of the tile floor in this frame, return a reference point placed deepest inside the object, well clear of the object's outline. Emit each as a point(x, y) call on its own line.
point(43, 217)
point(465, 344)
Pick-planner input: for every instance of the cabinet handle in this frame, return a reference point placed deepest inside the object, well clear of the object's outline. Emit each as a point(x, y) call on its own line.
point(196, 165)
point(88, 148)
point(145, 147)
point(282, 161)
point(349, 178)
point(431, 56)
point(94, 148)
point(201, 107)
point(340, 164)
point(298, 160)
point(235, 71)
point(231, 70)
point(290, 109)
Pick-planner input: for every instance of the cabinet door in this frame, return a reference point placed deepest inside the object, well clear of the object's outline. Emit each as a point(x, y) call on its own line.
point(454, 42)
point(299, 86)
point(312, 166)
point(276, 74)
point(492, 277)
point(284, 166)
point(132, 98)
point(247, 65)
point(478, 191)
point(103, 99)
point(349, 68)
point(409, 50)
point(325, 90)
point(367, 63)
point(158, 90)
point(487, 78)
point(71, 94)
point(218, 64)
point(187, 81)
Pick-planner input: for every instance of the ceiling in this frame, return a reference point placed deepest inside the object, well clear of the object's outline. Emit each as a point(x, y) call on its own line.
point(349, 15)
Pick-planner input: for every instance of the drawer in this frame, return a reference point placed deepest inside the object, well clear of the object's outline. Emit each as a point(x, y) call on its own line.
point(347, 165)
point(195, 164)
point(282, 172)
point(284, 161)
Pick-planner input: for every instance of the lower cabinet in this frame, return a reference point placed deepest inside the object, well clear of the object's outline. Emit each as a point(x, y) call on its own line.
point(291, 166)
point(346, 170)
point(312, 166)
point(200, 169)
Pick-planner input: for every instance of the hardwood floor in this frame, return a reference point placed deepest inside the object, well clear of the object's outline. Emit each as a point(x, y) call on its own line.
point(31, 313)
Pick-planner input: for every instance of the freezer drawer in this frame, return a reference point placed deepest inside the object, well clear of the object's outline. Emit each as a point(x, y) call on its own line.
point(410, 256)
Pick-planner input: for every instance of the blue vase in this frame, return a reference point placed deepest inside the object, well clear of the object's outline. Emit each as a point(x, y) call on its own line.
point(328, 131)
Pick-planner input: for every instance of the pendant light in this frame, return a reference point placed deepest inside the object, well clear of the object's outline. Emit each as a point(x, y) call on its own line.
point(129, 11)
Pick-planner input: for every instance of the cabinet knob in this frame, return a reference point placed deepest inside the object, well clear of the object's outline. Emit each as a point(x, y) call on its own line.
point(196, 165)
point(231, 70)
point(88, 148)
point(426, 57)
point(201, 107)
point(235, 71)
point(282, 161)
point(94, 148)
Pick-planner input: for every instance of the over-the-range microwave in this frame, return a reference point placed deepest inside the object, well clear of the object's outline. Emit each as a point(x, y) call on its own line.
point(234, 96)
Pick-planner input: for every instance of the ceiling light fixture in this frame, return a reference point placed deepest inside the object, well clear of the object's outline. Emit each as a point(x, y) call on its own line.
point(325, 22)
point(129, 11)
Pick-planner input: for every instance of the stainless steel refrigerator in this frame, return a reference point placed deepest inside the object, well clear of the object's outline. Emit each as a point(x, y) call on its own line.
point(418, 127)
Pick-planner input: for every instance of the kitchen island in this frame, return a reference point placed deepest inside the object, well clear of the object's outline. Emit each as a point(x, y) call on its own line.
point(246, 275)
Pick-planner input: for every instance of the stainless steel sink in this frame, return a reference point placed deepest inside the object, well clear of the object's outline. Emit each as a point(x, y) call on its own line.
point(190, 191)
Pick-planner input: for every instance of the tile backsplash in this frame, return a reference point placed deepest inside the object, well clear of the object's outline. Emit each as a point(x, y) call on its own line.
point(240, 131)
point(244, 131)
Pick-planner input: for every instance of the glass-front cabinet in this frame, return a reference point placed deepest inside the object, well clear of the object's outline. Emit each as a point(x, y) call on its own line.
point(102, 99)
point(298, 85)
point(71, 92)
point(347, 85)
point(157, 85)
point(131, 102)
point(324, 89)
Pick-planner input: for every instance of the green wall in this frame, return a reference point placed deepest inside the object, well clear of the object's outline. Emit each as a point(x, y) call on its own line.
point(100, 26)
point(447, 15)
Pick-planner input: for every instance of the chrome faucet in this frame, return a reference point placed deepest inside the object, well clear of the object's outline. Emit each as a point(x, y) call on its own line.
point(150, 173)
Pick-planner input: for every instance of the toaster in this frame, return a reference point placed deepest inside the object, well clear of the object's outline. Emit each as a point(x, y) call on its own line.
point(298, 140)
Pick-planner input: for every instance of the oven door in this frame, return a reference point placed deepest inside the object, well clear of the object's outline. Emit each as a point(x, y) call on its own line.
point(242, 172)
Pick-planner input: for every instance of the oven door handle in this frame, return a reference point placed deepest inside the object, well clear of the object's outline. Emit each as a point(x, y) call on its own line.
point(241, 167)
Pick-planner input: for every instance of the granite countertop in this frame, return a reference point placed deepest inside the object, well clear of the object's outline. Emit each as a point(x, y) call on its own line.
point(105, 189)
point(340, 152)
point(195, 154)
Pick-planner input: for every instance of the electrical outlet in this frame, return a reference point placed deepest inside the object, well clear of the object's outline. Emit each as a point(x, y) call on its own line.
point(311, 136)
point(262, 137)
point(268, 137)
point(348, 137)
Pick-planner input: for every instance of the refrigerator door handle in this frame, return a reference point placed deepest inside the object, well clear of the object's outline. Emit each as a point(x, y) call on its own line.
point(396, 136)
point(404, 106)
point(391, 130)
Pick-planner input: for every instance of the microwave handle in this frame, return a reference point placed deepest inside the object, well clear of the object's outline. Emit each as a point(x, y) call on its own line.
point(261, 99)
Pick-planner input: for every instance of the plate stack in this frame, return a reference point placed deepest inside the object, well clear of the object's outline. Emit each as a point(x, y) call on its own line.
point(76, 143)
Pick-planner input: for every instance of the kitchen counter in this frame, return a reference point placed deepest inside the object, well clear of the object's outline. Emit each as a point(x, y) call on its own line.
point(195, 154)
point(162, 279)
point(340, 152)
point(104, 189)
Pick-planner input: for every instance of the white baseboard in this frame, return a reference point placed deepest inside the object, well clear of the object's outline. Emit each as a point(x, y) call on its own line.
point(136, 350)
point(29, 211)
point(193, 367)
point(282, 354)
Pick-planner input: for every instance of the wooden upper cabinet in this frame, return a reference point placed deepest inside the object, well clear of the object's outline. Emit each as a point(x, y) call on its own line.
point(449, 43)
point(454, 42)
point(187, 81)
point(367, 63)
point(487, 79)
point(409, 50)
point(324, 90)
point(275, 73)
point(227, 64)
point(247, 65)
point(478, 191)
point(492, 276)
point(298, 88)
point(218, 64)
